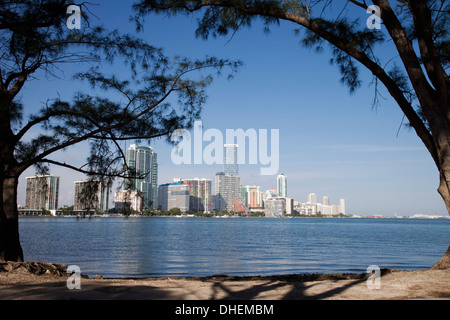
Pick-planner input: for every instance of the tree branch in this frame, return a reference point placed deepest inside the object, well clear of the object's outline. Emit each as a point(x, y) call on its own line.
point(87, 172)
point(405, 48)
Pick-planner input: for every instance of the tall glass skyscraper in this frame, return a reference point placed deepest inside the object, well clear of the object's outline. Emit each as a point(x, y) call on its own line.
point(142, 162)
point(230, 164)
point(282, 185)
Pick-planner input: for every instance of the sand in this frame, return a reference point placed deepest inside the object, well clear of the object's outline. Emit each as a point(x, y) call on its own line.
point(427, 284)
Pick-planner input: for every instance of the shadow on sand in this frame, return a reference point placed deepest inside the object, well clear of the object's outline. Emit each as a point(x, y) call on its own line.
point(283, 287)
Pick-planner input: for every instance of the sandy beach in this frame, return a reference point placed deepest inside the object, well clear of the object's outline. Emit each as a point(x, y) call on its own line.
point(48, 282)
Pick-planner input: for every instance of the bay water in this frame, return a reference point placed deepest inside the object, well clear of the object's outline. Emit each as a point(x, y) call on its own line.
point(189, 247)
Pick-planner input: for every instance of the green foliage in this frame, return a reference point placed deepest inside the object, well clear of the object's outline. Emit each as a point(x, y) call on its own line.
point(35, 40)
point(227, 17)
point(174, 211)
point(329, 22)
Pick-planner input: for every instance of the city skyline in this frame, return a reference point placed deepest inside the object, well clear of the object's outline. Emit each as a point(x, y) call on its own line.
point(191, 194)
point(280, 183)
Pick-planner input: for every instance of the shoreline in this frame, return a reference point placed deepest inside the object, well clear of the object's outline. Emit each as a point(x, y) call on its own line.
point(107, 215)
point(37, 281)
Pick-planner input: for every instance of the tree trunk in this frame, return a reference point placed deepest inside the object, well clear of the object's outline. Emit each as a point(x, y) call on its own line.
point(444, 262)
point(443, 152)
point(10, 248)
point(444, 190)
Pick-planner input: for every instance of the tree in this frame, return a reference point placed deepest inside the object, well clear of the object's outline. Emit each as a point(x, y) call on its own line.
point(36, 41)
point(416, 75)
point(174, 211)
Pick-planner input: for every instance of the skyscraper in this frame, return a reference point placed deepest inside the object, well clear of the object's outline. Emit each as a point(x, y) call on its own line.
point(42, 192)
point(312, 198)
point(143, 165)
point(275, 207)
point(173, 195)
point(127, 199)
point(282, 185)
point(230, 164)
point(228, 183)
point(199, 194)
point(342, 206)
point(326, 201)
point(227, 188)
point(91, 195)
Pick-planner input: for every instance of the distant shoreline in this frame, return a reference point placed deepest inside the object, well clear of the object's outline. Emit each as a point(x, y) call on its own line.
point(106, 215)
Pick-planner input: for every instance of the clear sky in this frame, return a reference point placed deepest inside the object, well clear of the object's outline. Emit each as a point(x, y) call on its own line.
point(331, 143)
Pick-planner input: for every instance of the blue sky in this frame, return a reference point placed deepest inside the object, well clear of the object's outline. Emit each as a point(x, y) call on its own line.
point(331, 143)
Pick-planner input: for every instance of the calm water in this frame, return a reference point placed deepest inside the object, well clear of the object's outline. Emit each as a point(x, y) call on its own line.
point(154, 247)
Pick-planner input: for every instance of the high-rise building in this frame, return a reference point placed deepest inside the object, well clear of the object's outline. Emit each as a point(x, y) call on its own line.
point(275, 207)
point(282, 185)
point(227, 183)
point(326, 201)
point(42, 192)
point(143, 167)
point(252, 196)
point(173, 195)
point(227, 188)
point(230, 157)
point(199, 194)
point(91, 195)
point(342, 206)
point(312, 198)
point(127, 199)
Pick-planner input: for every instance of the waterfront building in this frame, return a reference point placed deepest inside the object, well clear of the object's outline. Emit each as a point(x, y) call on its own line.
point(323, 209)
point(334, 209)
point(269, 194)
point(275, 207)
point(282, 185)
point(42, 192)
point(279, 206)
point(289, 205)
point(127, 199)
point(311, 207)
point(173, 195)
point(342, 206)
point(199, 194)
point(312, 198)
point(143, 171)
point(227, 183)
point(252, 196)
point(91, 195)
point(227, 188)
point(305, 208)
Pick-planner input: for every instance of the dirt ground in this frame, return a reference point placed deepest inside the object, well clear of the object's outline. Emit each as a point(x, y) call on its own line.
point(22, 284)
